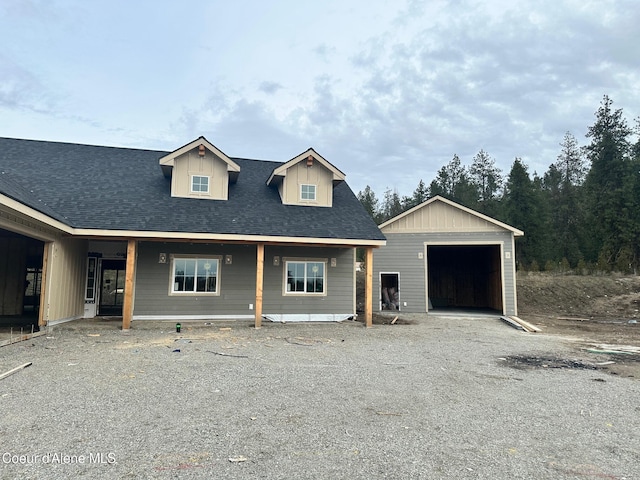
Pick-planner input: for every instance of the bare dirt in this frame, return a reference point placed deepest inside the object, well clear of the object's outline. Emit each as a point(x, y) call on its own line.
point(597, 315)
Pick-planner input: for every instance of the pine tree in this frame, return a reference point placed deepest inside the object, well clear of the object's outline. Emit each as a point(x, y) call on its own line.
point(452, 181)
point(563, 183)
point(370, 203)
point(523, 209)
point(487, 178)
point(610, 185)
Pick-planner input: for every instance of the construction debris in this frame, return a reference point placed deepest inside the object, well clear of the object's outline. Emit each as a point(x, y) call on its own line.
point(17, 369)
point(513, 323)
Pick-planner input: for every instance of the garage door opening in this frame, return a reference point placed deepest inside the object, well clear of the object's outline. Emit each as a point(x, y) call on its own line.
point(465, 277)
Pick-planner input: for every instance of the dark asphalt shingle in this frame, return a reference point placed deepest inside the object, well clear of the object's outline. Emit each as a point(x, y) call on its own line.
point(99, 187)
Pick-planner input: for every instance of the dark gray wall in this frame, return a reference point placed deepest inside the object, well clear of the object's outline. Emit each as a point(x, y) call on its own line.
point(237, 282)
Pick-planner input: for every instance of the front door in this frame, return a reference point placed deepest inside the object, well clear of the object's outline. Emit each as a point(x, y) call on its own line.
point(112, 287)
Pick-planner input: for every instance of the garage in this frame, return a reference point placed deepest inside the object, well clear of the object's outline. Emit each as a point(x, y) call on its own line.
point(464, 277)
point(441, 256)
point(20, 280)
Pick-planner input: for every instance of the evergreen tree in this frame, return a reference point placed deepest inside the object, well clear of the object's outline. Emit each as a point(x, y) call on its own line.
point(487, 178)
point(391, 205)
point(370, 203)
point(523, 209)
point(611, 184)
point(563, 183)
point(452, 182)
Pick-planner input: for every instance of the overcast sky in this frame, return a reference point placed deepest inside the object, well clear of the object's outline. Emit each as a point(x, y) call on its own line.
point(386, 90)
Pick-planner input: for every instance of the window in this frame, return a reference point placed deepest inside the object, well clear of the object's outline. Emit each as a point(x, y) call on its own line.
point(199, 184)
point(305, 277)
point(91, 279)
point(195, 275)
point(307, 192)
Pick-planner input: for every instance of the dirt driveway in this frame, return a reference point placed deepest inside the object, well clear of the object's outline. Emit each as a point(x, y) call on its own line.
point(432, 398)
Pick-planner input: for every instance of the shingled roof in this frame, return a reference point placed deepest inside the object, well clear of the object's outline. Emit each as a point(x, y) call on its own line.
point(108, 188)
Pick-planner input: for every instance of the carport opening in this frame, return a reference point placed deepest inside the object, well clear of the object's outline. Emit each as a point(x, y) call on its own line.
point(20, 281)
point(465, 277)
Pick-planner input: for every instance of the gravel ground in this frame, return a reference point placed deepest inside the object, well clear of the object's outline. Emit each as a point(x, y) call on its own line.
point(433, 399)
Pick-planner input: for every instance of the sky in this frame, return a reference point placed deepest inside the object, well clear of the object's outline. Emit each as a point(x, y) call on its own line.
point(386, 90)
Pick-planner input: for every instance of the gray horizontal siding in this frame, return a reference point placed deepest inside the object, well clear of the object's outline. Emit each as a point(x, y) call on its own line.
point(237, 282)
point(340, 286)
point(401, 255)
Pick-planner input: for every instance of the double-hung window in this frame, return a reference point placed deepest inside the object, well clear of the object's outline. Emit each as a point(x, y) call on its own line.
point(305, 277)
point(195, 275)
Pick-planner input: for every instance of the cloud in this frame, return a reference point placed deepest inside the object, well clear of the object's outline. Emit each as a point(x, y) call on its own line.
point(21, 89)
point(270, 88)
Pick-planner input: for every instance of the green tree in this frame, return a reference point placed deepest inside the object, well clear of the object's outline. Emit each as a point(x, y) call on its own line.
point(420, 194)
point(563, 181)
point(452, 181)
point(370, 203)
point(523, 209)
point(391, 205)
point(611, 184)
point(487, 178)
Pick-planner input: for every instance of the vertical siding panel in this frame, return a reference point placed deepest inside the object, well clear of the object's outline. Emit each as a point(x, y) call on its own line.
point(65, 282)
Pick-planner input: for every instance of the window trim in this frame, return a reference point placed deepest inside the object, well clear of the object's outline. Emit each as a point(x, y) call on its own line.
point(174, 257)
point(200, 192)
point(285, 262)
point(315, 192)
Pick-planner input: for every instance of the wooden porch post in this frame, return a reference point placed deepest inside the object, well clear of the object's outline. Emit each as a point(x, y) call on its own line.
point(368, 287)
point(127, 307)
point(42, 321)
point(259, 283)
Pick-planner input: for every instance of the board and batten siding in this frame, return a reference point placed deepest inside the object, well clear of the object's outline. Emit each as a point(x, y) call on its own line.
point(66, 279)
point(209, 165)
point(237, 282)
point(406, 254)
point(300, 174)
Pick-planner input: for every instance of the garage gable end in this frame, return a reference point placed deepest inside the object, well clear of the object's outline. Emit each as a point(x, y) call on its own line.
point(441, 215)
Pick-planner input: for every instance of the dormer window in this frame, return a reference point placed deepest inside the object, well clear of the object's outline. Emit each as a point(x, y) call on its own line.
point(307, 192)
point(200, 170)
point(199, 184)
point(307, 180)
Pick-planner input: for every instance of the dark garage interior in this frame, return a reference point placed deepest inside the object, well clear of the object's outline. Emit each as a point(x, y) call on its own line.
point(20, 280)
point(465, 277)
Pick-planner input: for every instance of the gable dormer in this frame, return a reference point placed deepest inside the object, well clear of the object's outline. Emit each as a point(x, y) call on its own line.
point(307, 179)
point(200, 170)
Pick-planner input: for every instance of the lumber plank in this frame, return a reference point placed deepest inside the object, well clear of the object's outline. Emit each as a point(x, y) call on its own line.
point(127, 306)
point(259, 284)
point(368, 288)
point(14, 370)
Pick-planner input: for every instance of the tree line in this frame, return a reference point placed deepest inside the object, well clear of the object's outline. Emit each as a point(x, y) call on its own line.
point(582, 214)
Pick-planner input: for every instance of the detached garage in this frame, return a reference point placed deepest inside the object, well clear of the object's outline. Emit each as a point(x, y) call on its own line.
point(441, 256)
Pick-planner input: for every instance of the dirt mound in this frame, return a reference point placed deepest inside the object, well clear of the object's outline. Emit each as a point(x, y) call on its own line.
point(590, 297)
